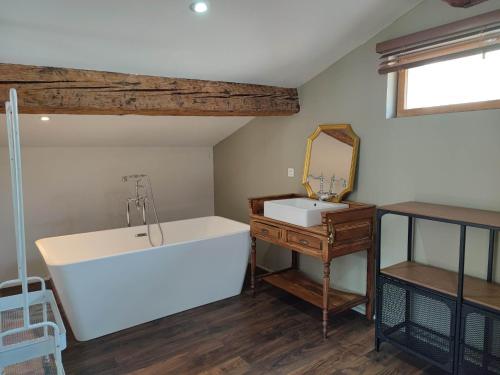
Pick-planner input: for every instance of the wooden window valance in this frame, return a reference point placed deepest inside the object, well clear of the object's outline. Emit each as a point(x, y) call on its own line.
point(461, 38)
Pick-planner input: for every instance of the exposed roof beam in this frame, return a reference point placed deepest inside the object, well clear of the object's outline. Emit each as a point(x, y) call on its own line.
point(463, 3)
point(74, 91)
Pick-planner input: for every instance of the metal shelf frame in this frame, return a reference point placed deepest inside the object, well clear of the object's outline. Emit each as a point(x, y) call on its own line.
point(457, 319)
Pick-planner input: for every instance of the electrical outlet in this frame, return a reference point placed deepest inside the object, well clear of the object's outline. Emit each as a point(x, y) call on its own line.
point(291, 172)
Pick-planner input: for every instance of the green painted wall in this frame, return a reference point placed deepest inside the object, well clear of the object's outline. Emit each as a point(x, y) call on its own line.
point(447, 158)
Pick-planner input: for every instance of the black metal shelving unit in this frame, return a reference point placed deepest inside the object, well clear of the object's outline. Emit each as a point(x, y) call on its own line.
point(426, 311)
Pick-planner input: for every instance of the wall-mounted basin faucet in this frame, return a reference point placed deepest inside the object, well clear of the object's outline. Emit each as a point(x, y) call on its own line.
point(322, 194)
point(327, 195)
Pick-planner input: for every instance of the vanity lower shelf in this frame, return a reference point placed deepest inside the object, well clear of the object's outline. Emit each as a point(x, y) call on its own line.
point(298, 284)
point(476, 290)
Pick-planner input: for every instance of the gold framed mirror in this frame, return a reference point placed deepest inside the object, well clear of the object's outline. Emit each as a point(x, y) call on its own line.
point(330, 163)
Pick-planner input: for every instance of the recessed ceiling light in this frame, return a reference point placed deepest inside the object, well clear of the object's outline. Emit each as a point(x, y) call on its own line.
point(199, 6)
point(45, 118)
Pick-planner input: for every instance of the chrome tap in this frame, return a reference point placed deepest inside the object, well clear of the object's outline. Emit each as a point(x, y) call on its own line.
point(140, 198)
point(143, 200)
point(333, 180)
point(343, 181)
point(322, 194)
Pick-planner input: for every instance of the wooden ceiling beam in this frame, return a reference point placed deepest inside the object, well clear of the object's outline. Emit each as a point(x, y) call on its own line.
point(50, 90)
point(463, 3)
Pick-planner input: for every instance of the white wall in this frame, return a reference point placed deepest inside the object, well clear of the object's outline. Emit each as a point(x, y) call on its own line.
point(447, 158)
point(79, 189)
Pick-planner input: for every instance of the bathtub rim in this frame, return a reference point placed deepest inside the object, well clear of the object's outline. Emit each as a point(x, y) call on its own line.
point(42, 250)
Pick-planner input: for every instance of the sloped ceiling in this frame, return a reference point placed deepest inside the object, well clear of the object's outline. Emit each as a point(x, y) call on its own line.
point(276, 42)
point(81, 131)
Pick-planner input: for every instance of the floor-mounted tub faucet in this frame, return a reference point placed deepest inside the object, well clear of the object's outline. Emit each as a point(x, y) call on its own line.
point(140, 198)
point(143, 200)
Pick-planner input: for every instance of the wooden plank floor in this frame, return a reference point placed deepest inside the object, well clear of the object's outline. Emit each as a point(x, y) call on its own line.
point(274, 333)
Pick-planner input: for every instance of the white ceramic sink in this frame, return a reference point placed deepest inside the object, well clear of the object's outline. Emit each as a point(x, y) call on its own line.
point(299, 211)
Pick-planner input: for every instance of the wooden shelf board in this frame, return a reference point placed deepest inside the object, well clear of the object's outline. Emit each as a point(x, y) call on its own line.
point(475, 290)
point(298, 284)
point(452, 214)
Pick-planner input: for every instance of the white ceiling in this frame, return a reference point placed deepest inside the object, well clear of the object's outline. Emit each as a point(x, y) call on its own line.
point(281, 42)
point(80, 131)
point(278, 42)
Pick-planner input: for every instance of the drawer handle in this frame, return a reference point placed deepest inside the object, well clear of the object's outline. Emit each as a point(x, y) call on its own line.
point(264, 231)
point(304, 242)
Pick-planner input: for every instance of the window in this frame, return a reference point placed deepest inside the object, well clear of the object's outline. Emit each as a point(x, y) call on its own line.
point(448, 68)
point(461, 84)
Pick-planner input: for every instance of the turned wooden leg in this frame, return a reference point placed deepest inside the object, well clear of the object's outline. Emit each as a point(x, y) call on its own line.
point(326, 288)
point(295, 260)
point(253, 262)
point(370, 282)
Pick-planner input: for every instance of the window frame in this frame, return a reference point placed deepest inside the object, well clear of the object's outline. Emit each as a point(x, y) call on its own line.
point(402, 111)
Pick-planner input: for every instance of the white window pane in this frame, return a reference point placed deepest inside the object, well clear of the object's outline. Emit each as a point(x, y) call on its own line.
point(464, 80)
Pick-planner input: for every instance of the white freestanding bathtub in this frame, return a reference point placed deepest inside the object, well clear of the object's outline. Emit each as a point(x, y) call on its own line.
point(111, 280)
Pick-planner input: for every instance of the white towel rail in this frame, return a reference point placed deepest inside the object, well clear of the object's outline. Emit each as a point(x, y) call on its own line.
point(34, 334)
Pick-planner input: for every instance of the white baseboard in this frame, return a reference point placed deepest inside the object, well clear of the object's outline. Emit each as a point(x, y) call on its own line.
point(264, 268)
point(360, 309)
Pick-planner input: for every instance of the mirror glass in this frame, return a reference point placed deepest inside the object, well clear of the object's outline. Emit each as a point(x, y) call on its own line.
point(330, 164)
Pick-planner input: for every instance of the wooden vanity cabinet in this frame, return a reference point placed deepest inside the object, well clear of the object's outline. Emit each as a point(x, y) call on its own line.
point(342, 232)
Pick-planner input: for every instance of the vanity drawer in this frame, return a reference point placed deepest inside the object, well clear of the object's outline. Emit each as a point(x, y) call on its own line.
point(303, 240)
point(353, 230)
point(265, 230)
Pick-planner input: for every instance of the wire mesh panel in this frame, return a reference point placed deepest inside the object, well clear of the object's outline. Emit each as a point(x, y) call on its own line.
point(415, 319)
point(11, 319)
point(37, 366)
point(480, 342)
